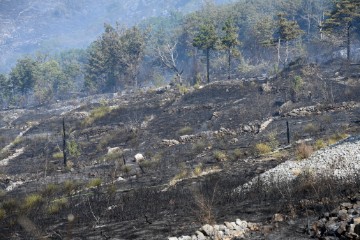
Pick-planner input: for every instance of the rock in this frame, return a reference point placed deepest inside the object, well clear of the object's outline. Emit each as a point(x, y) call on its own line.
point(331, 227)
point(239, 233)
point(229, 225)
point(253, 226)
point(219, 235)
point(352, 228)
point(241, 224)
point(208, 230)
point(222, 227)
point(343, 215)
point(265, 87)
point(200, 235)
point(278, 217)
point(342, 228)
point(267, 229)
point(356, 220)
point(171, 142)
point(227, 232)
point(172, 238)
point(247, 128)
point(185, 238)
point(113, 150)
point(357, 229)
point(346, 206)
point(139, 158)
point(193, 237)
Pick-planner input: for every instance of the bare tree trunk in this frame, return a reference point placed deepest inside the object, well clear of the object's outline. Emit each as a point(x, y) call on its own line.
point(64, 143)
point(229, 51)
point(348, 44)
point(208, 65)
point(278, 52)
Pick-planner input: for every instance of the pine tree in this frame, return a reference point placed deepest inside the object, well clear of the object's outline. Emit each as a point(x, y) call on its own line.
point(343, 17)
point(287, 31)
point(206, 39)
point(230, 40)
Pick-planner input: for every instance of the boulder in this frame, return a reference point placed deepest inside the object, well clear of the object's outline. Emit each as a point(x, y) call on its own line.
point(278, 217)
point(171, 142)
point(200, 235)
point(113, 150)
point(184, 238)
point(139, 158)
point(208, 230)
point(357, 229)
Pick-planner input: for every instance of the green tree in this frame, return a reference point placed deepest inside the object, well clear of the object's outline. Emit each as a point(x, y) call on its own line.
point(287, 31)
point(23, 75)
point(206, 39)
point(5, 89)
point(114, 59)
point(95, 74)
point(133, 49)
point(230, 40)
point(51, 82)
point(343, 17)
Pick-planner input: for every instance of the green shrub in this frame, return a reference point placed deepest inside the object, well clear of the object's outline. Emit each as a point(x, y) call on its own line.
point(320, 143)
point(337, 137)
point(2, 214)
point(273, 142)
point(297, 83)
point(95, 183)
point(126, 169)
point(185, 131)
point(58, 155)
point(57, 205)
point(262, 148)
point(96, 114)
point(31, 201)
point(182, 89)
point(220, 156)
point(69, 186)
point(50, 189)
point(237, 153)
point(198, 170)
point(10, 205)
point(18, 140)
point(73, 149)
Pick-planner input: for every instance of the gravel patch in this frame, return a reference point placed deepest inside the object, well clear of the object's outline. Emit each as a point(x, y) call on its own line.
point(340, 161)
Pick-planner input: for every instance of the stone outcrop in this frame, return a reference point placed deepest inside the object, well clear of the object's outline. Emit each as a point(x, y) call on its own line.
point(319, 109)
point(226, 231)
point(342, 223)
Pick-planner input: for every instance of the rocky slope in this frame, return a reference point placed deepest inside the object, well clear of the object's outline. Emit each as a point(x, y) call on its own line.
point(192, 151)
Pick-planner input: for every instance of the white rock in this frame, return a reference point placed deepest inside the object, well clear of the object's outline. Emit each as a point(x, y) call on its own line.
point(208, 229)
point(139, 158)
point(113, 150)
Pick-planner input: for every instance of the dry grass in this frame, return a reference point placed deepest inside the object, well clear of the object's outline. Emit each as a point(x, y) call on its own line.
point(262, 148)
point(220, 156)
point(303, 151)
point(185, 131)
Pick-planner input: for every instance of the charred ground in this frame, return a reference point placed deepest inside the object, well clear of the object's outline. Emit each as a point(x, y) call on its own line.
point(198, 145)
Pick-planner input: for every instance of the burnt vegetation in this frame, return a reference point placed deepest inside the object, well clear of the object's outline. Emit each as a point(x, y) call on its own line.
point(156, 149)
